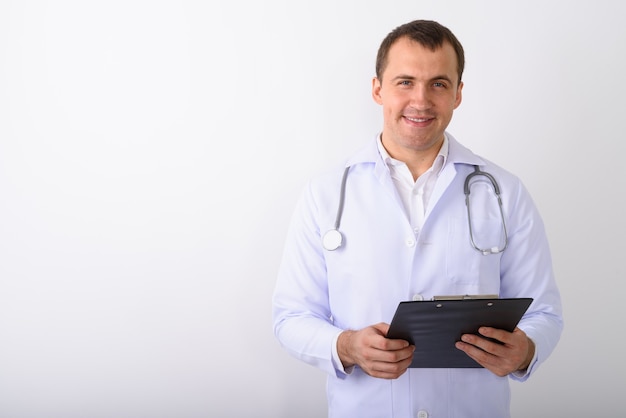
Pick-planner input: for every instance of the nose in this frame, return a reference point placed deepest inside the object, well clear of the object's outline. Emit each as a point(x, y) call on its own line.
point(420, 97)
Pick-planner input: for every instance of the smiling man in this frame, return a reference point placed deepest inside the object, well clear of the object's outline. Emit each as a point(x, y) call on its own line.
point(400, 226)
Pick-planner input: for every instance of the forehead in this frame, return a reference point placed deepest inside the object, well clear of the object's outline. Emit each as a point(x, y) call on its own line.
point(412, 58)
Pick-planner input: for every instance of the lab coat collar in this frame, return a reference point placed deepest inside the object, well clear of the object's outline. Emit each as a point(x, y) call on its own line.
point(457, 154)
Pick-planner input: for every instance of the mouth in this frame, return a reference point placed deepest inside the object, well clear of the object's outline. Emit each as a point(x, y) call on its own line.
point(419, 120)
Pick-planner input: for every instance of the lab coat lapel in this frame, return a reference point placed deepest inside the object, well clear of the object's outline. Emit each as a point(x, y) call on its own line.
point(457, 155)
point(370, 155)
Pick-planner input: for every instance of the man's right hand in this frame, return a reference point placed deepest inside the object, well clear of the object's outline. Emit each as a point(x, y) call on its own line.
point(376, 355)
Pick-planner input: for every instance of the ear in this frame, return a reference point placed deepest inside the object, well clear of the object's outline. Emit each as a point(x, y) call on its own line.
point(376, 86)
point(459, 95)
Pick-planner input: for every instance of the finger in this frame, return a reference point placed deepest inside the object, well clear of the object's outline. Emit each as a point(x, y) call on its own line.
point(382, 327)
point(394, 356)
point(503, 336)
point(482, 350)
point(388, 370)
point(487, 360)
point(480, 342)
point(499, 358)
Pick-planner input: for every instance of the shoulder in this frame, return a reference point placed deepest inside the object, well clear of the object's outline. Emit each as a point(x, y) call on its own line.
point(331, 175)
point(461, 155)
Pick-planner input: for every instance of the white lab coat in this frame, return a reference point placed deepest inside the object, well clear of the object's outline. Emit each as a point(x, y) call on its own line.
point(383, 261)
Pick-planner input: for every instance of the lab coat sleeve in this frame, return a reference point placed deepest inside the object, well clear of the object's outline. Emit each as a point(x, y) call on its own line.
point(526, 271)
point(301, 313)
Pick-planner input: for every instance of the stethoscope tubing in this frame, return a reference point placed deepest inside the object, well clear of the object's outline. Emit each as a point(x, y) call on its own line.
point(342, 197)
point(496, 189)
point(333, 238)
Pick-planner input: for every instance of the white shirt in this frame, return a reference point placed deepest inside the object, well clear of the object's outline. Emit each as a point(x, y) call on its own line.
point(415, 194)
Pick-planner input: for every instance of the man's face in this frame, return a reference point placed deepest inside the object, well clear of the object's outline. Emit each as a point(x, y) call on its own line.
point(419, 91)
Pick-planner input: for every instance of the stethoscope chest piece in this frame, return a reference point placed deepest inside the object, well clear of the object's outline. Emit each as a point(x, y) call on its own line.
point(332, 240)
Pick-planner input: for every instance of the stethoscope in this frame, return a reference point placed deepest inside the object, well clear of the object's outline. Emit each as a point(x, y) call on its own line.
point(333, 239)
point(496, 190)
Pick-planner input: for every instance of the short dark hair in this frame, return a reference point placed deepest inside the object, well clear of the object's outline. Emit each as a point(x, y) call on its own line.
point(428, 33)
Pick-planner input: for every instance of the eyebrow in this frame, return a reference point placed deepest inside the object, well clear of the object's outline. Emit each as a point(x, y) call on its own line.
point(410, 77)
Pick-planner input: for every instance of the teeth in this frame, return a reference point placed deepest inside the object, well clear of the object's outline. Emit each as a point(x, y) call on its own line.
point(417, 119)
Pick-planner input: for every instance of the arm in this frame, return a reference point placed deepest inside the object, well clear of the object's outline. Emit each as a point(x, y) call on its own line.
point(300, 307)
point(526, 271)
point(304, 322)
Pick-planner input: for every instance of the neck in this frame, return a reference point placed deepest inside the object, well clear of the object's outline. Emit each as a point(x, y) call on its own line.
point(418, 161)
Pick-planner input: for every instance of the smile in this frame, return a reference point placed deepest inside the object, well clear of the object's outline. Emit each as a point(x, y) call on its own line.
point(418, 120)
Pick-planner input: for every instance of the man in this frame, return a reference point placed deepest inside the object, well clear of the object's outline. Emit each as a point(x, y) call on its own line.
point(405, 236)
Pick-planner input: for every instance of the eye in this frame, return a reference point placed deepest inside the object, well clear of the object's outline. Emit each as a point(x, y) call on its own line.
point(439, 84)
point(405, 82)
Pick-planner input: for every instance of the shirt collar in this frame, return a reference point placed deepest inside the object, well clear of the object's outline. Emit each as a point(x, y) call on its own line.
point(440, 159)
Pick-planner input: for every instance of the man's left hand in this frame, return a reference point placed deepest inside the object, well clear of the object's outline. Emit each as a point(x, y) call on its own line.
point(515, 353)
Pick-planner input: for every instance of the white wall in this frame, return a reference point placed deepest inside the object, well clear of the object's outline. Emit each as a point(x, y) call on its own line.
point(151, 153)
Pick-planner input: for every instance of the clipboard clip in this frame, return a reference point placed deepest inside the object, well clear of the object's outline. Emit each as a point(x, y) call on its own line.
point(465, 297)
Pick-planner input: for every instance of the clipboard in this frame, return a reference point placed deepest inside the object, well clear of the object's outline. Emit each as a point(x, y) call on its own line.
point(434, 326)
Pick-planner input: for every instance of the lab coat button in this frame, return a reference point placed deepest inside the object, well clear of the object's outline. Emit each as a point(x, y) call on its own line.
point(410, 242)
point(422, 414)
point(417, 297)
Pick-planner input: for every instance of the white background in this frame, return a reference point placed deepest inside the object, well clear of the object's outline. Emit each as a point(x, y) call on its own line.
point(151, 153)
